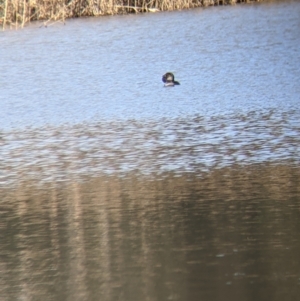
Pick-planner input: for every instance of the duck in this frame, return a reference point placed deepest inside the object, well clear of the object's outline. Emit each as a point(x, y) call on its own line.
point(169, 80)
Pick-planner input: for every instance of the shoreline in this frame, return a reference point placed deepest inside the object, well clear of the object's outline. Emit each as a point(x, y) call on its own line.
point(16, 14)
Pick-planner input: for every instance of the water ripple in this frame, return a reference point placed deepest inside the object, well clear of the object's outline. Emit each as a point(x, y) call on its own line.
point(192, 145)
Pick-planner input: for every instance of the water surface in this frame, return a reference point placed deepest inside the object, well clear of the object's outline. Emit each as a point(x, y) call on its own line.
point(228, 59)
point(115, 188)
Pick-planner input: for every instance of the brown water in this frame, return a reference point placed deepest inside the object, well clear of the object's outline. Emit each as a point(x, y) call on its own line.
point(230, 235)
point(115, 188)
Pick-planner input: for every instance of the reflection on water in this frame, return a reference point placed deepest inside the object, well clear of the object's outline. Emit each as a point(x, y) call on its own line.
point(232, 234)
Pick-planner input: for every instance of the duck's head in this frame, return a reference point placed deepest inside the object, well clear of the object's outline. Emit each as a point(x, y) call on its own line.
point(168, 79)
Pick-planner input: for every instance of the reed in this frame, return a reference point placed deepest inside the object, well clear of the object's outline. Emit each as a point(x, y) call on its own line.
point(17, 13)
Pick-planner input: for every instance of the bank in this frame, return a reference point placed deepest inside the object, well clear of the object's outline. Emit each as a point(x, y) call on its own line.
point(18, 13)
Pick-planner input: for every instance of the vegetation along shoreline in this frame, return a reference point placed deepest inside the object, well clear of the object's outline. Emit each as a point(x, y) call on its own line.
point(17, 13)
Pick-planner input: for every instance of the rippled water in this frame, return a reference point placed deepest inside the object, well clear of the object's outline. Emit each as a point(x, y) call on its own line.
point(194, 144)
point(92, 90)
point(113, 187)
point(230, 235)
point(228, 60)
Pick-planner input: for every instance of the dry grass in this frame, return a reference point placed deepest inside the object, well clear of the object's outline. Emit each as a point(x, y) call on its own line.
point(16, 13)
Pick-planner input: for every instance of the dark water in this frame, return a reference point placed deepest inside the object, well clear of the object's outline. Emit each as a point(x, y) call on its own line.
point(230, 235)
point(115, 188)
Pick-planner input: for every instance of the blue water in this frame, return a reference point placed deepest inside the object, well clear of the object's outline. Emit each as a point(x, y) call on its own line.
point(88, 95)
point(229, 60)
